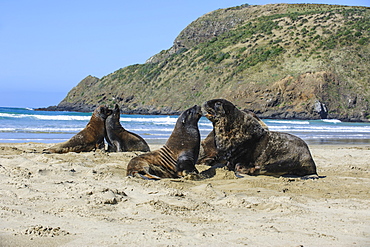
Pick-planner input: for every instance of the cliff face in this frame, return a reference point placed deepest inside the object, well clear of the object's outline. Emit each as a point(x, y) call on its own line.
point(304, 61)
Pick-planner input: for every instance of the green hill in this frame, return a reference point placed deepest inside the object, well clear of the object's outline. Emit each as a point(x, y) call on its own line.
point(304, 61)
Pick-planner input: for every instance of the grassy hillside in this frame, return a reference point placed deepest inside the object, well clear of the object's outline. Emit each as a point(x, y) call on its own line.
point(278, 60)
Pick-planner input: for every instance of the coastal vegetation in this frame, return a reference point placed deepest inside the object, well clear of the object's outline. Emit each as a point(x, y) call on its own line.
point(279, 60)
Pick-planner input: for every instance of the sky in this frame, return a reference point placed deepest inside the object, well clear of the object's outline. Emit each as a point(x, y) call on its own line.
point(48, 47)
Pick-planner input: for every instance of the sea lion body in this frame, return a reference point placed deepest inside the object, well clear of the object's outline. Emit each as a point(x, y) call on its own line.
point(279, 154)
point(208, 154)
point(252, 149)
point(88, 139)
point(178, 156)
point(119, 139)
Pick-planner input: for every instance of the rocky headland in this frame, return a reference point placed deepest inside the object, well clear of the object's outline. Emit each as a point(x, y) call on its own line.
point(286, 61)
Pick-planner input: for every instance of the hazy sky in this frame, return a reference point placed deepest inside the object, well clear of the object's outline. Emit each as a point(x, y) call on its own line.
point(47, 47)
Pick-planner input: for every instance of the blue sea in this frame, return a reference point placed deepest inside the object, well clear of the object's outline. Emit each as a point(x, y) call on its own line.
point(18, 125)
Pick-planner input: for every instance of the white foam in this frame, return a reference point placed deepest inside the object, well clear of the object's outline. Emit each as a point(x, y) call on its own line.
point(331, 120)
point(53, 130)
point(156, 120)
point(41, 130)
point(62, 117)
point(152, 130)
point(206, 124)
point(286, 122)
point(46, 117)
point(7, 129)
point(314, 129)
point(10, 140)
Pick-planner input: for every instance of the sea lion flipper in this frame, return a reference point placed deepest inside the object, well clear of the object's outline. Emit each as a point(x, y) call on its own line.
point(148, 176)
point(186, 165)
point(241, 170)
point(238, 174)
point(140, 169)
point(144, 175)
point(312, 176)
point(117, 146)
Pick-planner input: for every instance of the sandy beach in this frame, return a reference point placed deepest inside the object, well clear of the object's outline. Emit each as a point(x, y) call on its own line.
point(85, 199)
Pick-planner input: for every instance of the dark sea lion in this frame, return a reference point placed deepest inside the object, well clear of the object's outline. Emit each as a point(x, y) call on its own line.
point(88, 139)
point(178, 156)
point(119, 139)
point(208, 154)
point(252, 149)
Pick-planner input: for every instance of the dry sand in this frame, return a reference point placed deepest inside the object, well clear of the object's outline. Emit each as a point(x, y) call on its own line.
point(86, 200)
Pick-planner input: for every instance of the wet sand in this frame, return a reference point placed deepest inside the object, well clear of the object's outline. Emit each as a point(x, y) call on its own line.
point(85, 199)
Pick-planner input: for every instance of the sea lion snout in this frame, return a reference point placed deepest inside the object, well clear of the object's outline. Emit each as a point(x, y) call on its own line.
point(212, 109)
point(191, 116)
point(104, 111)
point(196, 110)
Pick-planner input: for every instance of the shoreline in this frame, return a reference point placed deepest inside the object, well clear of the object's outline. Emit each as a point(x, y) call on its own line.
point(86, 199)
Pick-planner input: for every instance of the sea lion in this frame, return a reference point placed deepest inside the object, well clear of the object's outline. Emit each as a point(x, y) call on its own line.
point(208, 154)
point(178, 156)
point(88, 139)
point(119, 139)
point(252, 149)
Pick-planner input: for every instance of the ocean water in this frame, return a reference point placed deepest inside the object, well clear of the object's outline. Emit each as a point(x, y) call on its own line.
point(20, 125)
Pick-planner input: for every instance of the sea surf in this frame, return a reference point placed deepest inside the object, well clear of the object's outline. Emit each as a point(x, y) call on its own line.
point(18, 125)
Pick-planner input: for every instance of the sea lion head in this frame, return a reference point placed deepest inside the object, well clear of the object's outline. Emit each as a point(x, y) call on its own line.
point(233, 128)
point(216, 109)
point(102, 112)
point(112, 121)
point(116, 113)
point(191, 116)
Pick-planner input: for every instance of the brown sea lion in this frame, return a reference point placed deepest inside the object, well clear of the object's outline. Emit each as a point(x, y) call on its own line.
point(178, 156)
point(88, 139)
point(208, 154)
point(252, 149)
point(119, 139)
